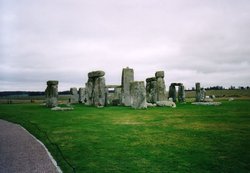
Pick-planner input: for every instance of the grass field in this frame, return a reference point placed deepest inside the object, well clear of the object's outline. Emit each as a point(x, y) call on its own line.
point(188, 138)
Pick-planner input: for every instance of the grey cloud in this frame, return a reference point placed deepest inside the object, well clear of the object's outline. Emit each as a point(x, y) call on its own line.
point(191, 41)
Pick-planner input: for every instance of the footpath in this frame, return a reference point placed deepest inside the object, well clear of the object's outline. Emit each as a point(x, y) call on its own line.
point(20, 152)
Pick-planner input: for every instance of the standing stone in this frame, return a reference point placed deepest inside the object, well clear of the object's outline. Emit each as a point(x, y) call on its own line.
point(160, 86)
point(74, 96)
point(148, 87)
point(88, 90)
point(117, 96)
point(96, 89)
point(203, 95)
point(51, 93)
point(172, 92)
point(127, 77)
point(151, 90)
point(99, 92)
point(82, 95)
point(198, 92)
point(181, 93)
point(138, 95)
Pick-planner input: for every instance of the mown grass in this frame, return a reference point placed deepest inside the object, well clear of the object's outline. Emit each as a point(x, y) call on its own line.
point(189, 138)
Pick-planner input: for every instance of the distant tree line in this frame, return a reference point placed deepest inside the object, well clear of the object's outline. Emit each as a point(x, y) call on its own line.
point(223, 88)
point(27, 93)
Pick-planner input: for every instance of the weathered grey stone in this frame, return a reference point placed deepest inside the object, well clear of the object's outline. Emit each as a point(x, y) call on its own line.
point(138, 95)
point(151, 104)
point(207, 103)
point(62, 108)
point(82, 95)
point(159, 74)
point(198, 92)
point(52, 82)
point(95, 90)
point(113, 95)
point(99, 92)
point(95, 74)
point(181, 93)
point(89, 89)
point(151, 90)
point(150, 79)
point(127, 77)
point(212, 97)
point(117, 96)
point(203, 95)
point(172, 92)
point(74, 96)
point(208, 99)
point(161, 89)
point(166, 103)
point(51, 94)
point(148, 87)
point(155, 88)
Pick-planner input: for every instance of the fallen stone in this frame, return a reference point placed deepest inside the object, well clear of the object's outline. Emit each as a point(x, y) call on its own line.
point(57, 108)
point(207, 103)
point(151, 104)
point(166, 103)
point(208, 100)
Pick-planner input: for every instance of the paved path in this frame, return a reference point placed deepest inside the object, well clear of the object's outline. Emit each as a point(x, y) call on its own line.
point(20, 152)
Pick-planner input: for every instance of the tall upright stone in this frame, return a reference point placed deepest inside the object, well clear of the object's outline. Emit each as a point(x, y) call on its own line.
point(96, 88)
point(138, 95)
point(172, 92)
point(203, 95)
point(160, 86)
point(198, 92)
point(82, 95)
point(74, 96)
point(127, 78)
point(51, 93)
point(181, 93)
point(151, 90)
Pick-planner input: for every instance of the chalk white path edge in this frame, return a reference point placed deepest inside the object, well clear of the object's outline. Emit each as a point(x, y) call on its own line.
point(47, 151)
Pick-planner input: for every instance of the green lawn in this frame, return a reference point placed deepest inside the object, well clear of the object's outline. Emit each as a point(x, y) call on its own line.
point(188, 138)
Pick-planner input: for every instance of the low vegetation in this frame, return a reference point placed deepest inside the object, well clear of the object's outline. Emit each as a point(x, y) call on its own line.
point(188, 138)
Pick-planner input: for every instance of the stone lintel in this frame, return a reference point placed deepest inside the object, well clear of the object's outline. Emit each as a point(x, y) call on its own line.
point(95, 74)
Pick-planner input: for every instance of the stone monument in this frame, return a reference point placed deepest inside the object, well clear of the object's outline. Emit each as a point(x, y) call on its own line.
point(151, 90)
point(197, 92)
point(96, 89)
point(127, 77)
point(138, 95)
point(82, 95)
point(203, 95)
point(51, 93)
point(181, 92)
point(160, 86)
point(74, 96)
point(172, 92)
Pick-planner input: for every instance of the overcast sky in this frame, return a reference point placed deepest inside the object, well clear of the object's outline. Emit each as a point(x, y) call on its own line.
point(191, 40)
